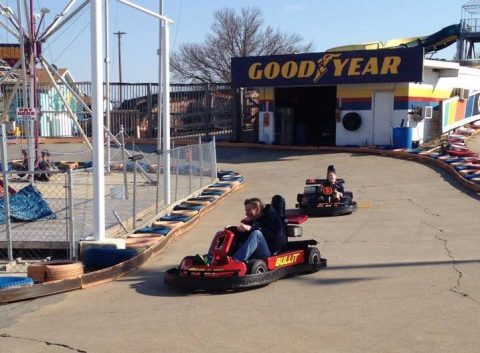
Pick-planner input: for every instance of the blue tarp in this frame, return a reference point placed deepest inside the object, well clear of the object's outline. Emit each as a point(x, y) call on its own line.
point(27, 205)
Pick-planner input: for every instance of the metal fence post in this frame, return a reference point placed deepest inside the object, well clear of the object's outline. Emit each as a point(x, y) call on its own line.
point(190, 158)
point(134, 194)
point(71, 215)
point(176, 173)
point(6, 195)
point(208, 109)
point(149, 109)
point(213, 159)
point(157, 195)
point(125, 179)
point(201, 161)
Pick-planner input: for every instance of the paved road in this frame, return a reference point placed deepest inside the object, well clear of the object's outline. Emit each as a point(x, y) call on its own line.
point(402, 277)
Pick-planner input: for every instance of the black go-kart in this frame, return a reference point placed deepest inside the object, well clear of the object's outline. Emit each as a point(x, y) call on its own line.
point(223, 272)
point(318, 199)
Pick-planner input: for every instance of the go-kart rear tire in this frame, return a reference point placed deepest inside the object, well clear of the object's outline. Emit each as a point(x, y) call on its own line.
point(256, 266)
point(313, 256)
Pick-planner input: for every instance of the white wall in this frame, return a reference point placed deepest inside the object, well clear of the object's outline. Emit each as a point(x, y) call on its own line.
point(363, 136)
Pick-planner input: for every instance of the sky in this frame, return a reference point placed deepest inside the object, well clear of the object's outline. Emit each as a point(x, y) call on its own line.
point(326, 23)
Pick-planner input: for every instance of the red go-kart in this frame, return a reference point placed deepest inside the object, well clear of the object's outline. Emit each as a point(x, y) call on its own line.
point(222, 272)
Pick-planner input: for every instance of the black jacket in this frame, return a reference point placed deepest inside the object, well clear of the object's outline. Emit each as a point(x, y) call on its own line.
point(272, 228)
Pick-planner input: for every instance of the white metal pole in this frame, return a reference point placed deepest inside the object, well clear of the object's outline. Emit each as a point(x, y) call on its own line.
point(6, 196)
point(107, 79)
point(31, 142)
point(97, 120)
point(147, 11)
point(160, 88)
point(166, 114)
point(22, 55)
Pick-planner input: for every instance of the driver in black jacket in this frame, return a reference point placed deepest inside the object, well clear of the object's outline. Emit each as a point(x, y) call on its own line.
point(332, 181)
point(266, 230)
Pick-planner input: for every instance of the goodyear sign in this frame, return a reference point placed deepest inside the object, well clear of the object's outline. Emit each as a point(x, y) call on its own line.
point(330, 68)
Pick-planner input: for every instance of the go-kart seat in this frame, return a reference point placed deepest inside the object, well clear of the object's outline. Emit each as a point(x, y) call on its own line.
point(278, 203)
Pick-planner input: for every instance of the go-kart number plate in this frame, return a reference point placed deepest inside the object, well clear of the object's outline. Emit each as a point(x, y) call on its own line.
point(327, 190)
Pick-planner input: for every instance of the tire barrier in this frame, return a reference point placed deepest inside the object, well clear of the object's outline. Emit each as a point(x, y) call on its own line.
point(211, 198)
point(209, 192)
point(38, 271)
point(189, 213)
point(98, 258)
point(153, 230)
point(56, 272)
point(137, 243)
point(14, 282)
point(222, 173)
point(221, 185)
point(170, 224)
point(187, 207)
point(238, 178)
point(175, 217)
point(190, 202)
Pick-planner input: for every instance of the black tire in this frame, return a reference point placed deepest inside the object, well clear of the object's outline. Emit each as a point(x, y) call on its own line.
point(312, 256)
point(257, 267)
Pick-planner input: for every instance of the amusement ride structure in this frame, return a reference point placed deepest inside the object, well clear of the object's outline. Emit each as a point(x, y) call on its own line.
point(23, 25)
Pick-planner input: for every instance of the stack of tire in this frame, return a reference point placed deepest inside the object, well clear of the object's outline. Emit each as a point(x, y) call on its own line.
point(140, 242)
point(54, 270)
point(230, 176)
point(99, 258)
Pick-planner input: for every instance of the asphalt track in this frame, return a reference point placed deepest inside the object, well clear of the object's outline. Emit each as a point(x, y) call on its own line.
point(403, 275)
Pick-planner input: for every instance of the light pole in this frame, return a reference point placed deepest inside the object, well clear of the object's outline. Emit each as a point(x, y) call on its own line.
point(119, 34)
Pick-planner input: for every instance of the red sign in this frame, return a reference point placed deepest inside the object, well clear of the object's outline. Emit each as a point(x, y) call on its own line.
point(26, 113)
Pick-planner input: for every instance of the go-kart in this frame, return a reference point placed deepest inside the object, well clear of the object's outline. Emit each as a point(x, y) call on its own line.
point(318, 199)
point(222, 272)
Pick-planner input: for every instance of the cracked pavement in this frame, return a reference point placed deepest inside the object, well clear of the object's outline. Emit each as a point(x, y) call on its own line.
point(402, 275)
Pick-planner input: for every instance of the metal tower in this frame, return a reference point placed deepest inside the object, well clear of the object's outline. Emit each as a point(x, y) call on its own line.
point(469, 34)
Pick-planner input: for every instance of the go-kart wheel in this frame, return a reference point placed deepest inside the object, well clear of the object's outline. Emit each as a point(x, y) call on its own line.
point(313, 256)
point(257, 266)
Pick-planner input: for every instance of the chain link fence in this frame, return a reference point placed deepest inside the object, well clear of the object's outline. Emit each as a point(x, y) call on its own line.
point(38, 224)
point(134, 194)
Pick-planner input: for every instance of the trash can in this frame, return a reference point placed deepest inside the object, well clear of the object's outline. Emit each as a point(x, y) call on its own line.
point(402, 137)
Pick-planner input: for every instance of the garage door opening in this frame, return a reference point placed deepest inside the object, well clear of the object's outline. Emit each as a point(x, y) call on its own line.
point(305, 115)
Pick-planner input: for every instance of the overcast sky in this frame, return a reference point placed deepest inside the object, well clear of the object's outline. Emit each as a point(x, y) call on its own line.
point(328, 23)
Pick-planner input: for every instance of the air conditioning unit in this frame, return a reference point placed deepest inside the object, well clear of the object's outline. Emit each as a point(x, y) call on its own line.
point(428, 112)
point(464, 93)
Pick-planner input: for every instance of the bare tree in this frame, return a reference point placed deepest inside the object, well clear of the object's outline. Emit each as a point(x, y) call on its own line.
point(233, 35)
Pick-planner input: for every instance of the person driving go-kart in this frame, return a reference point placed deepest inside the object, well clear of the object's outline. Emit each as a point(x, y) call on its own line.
point(253, 254)
point(265, 228)
point(332, 182)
